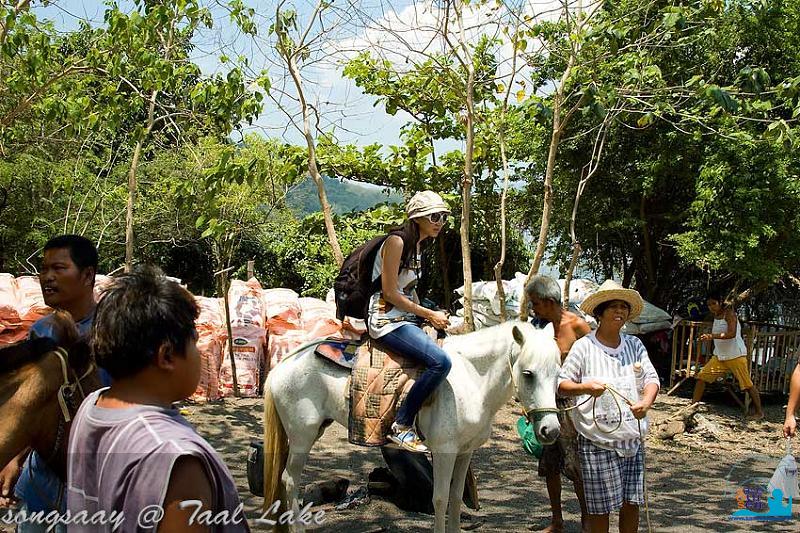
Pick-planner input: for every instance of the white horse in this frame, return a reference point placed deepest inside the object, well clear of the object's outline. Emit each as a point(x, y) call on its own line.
point(305, 393)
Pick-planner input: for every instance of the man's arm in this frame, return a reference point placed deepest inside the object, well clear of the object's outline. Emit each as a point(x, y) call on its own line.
point(188, 481)
point(9, 476)
point(790, 423)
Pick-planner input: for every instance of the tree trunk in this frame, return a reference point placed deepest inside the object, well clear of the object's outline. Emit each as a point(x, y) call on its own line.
point(129, 236)
point(650, 287)
point(466, 195)
point(547, 208)
point(576, 252)
point(498, 267)
point(313, 169)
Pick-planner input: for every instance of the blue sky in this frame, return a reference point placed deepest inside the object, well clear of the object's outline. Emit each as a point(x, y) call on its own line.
point(345, 109)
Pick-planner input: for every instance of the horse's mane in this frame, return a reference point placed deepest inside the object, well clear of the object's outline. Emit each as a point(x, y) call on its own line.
point(30, 351)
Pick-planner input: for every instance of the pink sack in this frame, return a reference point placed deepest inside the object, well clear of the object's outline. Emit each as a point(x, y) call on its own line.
point(30, 302)
point(282, 345)
point(9, 316)
point(248, 350)
point(211, 358)
point(246, 303)
point(101, 281)
point(283, 310)
point(212, 312)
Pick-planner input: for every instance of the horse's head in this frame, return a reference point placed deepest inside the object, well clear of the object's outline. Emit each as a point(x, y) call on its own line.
point(32, 374)
point(535, 372)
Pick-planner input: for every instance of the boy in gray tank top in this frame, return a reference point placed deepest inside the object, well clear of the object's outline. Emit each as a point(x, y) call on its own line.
point(135, 464)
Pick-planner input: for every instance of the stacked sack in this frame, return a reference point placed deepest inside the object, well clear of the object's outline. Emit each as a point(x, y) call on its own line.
point(9, 316)
point(283, 323)
point(486, 305)
point(248, 321)
point(211, 337)
point(21, 304)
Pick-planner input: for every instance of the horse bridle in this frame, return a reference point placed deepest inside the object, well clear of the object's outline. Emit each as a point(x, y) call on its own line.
point(530, 415)
point(66, 395)
point(547, 410)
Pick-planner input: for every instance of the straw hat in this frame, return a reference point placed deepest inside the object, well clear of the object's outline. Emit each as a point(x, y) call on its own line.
point(611, 290)
point(424, 203)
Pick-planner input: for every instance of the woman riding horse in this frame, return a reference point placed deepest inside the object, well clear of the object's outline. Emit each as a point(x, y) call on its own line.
point(394, 312)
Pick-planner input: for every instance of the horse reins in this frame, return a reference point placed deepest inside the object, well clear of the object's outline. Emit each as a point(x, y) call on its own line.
point(66, 393)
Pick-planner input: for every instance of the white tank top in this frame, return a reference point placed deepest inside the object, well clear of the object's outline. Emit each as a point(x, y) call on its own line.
point(380, 320)
point(727, 349)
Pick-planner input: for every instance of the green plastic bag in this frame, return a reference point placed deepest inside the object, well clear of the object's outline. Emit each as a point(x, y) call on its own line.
point(528, 436)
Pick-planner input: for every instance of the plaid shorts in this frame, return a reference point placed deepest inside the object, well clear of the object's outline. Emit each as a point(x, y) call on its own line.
point(609, 479)
point(561, 457)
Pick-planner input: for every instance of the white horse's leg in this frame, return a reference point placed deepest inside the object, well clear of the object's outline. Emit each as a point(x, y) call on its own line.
point(298, 456)
point(457, 492)
point(443, 463)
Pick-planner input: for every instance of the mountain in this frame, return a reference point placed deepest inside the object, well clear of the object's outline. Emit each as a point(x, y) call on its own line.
point(344, 196)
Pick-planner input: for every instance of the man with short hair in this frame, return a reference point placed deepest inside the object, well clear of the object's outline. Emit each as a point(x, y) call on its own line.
point(67, 275)
point(130, 450)
point(544, 295)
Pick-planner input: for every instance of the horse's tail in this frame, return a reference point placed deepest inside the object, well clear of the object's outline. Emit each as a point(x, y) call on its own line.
point(276, 451)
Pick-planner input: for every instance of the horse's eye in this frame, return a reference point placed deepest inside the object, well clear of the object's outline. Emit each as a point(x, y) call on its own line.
point(528, 373)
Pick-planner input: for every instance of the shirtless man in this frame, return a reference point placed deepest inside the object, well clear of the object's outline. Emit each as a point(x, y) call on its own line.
point(544, 295)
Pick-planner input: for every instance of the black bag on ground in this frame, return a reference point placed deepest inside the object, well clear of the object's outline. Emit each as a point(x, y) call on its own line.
point(413, 480)
point(354, 286)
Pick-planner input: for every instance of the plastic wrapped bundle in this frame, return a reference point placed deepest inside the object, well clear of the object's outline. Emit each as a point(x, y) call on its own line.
point(247, 306)
point(283, 310)
point(9, 316)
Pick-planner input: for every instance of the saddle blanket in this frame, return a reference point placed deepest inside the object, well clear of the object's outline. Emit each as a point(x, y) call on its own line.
point(340, 352)
point(379, 382)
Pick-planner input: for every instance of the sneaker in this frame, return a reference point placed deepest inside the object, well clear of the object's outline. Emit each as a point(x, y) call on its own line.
point(407, 439)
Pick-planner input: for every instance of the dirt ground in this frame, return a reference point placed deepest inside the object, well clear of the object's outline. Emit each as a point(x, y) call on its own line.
point(692, 479)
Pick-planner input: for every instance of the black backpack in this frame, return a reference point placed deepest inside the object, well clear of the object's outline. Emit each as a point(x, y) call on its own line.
point(354, 286)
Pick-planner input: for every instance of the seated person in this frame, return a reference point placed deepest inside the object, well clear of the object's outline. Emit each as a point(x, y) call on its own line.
point(392, 311)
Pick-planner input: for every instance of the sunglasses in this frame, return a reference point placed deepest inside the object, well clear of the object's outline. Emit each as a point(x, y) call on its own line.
point(436, 218)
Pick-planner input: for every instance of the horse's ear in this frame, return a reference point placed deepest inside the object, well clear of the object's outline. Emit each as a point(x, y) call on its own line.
point(518, 335)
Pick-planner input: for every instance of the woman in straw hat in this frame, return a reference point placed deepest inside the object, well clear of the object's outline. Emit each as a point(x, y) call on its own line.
point(394, 313)
point(610, 433)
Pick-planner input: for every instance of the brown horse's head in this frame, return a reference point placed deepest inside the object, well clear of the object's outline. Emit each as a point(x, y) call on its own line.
point(31, 375)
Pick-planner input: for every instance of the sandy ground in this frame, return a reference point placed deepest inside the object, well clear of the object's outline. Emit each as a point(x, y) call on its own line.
point(692, 479)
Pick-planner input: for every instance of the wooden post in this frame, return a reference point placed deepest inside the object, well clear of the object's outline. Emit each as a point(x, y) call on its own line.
point(251, 269)
point(225, 285)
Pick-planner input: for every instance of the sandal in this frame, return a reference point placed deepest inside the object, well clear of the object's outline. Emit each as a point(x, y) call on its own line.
point(407, 439)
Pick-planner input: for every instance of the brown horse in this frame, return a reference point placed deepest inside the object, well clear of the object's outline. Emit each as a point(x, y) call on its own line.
point(41, 387)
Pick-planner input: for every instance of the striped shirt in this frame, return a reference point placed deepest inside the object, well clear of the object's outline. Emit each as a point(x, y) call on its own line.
point(590, 359)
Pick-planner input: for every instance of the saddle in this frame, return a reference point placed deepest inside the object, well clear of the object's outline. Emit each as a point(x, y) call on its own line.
point(379, 382)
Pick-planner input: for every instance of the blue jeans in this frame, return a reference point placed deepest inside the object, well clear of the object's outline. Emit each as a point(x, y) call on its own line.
point(411, 342)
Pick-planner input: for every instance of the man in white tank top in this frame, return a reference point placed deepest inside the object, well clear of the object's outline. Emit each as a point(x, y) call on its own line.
point(730, 354)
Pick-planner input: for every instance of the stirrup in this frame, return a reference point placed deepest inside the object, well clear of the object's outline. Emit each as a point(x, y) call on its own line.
point(407, 439)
